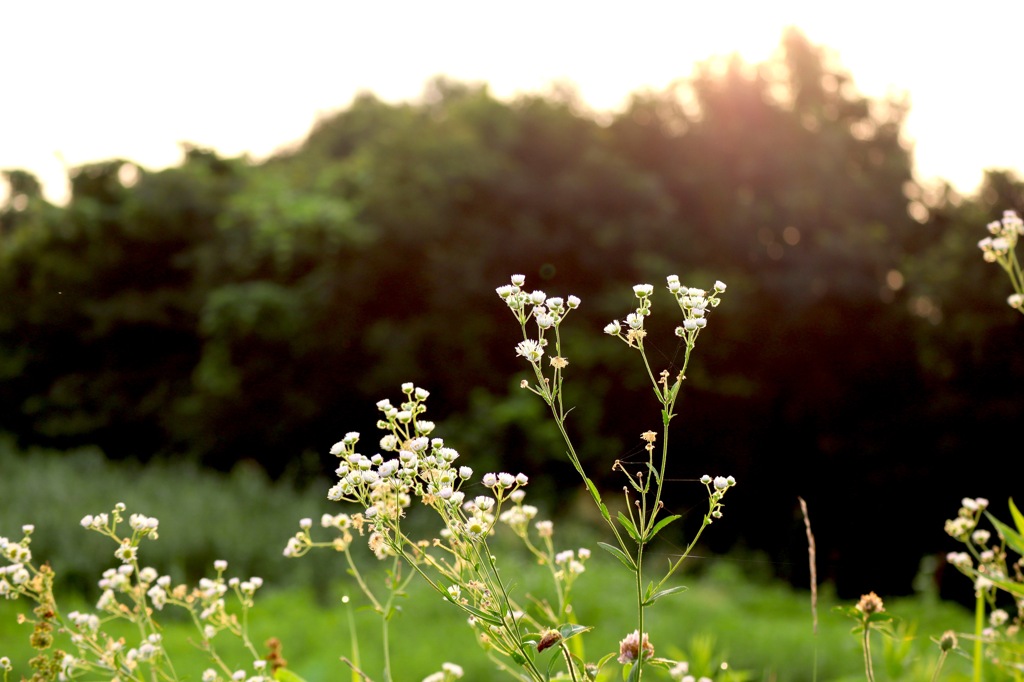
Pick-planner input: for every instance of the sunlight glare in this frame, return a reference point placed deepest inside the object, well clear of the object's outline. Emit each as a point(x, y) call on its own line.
point(252, 80)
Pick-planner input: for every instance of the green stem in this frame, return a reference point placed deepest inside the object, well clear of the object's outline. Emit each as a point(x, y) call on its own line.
point(689, 548)
point(938, 666)
point(579, 469)
point(568, 660)
point(868, 668)
point(666, 418)
point(353, 640)
point(979, 625)
point(385, 619)
point(354, 572)
point(640, 610)
point(650, 372)
point(506, 604)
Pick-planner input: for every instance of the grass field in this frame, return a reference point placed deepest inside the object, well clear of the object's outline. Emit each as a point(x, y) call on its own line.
point(765, 629)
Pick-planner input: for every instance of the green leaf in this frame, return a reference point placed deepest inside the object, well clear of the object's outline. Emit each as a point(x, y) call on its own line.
point(849, 611)
point(581, 666)
point(673, 392)
point(597, 498)
point(661, 593)
point(570, 630)
point(654, 474)
point(1018, 518)
point(630, 528)
point(482, 615)
point(618, 554)
point(1012, 537)
point(661, 524)
point(1010, 586)
point(285, 675)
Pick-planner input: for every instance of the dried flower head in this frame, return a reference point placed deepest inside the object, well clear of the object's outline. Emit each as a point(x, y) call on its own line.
point(548, 640)
point(870, 603)
point(632, 645)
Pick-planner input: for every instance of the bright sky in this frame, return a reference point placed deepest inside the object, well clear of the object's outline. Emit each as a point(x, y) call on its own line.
point(88, 81)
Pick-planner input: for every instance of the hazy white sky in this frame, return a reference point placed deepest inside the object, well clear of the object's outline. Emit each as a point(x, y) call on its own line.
point(87, 81)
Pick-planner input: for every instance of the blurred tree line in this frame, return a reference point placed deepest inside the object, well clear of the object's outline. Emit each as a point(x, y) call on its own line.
point(863, 358)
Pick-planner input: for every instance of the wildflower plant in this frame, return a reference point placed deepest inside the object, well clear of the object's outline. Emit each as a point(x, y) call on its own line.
point(413, 465)
point(135, 594)
point(998, 578)
point(459, 564)
point(870, 615)
point(540, 318)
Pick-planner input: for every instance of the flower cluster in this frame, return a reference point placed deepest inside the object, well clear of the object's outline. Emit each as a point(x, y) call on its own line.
point(448, 673)
point(15, 574)
point(1004, 237)
point(548, 313)
point(680, 671)
point(966, 519)
point(693, 302)
point(414, 466)
point(999, 248)
point(133, 593)
point(986, 562)
point(717, 488)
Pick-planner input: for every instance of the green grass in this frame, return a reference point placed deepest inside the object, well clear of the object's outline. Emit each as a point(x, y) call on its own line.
point(755, 625)
point(204, 515)
point(763, 628)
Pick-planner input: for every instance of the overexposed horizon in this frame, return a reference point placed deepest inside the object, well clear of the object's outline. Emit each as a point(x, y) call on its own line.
point(87, 82)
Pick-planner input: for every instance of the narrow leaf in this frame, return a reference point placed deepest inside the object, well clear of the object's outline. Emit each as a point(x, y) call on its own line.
point(654, 473)
point(628, 525)
point(1010, 586)
point(285, 675)
point(482, 615)
point(1012, 537)
point(661, 524)
point(597, 498)
point(661, 593)
point(569, 630)
point(618, 554)
point(1018, 518)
